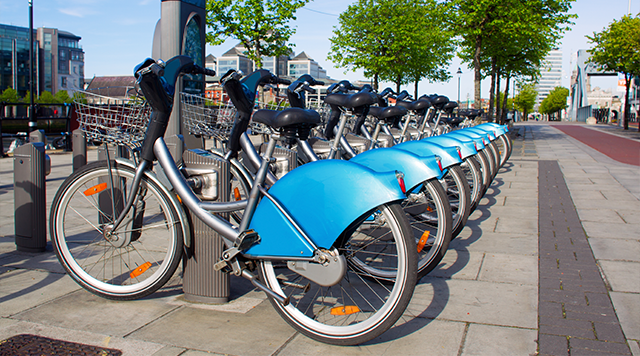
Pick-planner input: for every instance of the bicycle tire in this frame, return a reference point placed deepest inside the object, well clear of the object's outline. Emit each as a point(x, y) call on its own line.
point(496, 158)
point(483, 159)
point(472, 171)
point(361, 306)
point(429, 213)
point(459, 196)
point(139, 257)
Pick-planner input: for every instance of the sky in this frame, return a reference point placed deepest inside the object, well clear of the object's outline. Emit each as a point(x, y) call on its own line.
point(117, 35)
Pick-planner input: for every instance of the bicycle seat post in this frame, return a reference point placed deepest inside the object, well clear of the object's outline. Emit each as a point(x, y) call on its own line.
point(260, 178)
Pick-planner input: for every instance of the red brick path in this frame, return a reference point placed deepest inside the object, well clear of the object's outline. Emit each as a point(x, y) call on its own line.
point(618, 148)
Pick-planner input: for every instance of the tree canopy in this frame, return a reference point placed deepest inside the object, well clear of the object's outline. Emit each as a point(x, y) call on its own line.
point(400, 41)
point(617, 49)
point(555, 101)
point(260, 25)
point(526, 98)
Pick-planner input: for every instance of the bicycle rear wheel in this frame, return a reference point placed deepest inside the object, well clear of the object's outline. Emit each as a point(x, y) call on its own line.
point(458, 192)
point(473, 173)
point(134, 260)
point(362, 305)
point(429, 213)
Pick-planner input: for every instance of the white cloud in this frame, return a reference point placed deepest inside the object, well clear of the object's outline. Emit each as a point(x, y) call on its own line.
point(77, 11)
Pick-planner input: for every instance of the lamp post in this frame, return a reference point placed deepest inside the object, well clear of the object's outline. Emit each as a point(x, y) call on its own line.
point(33, 125)
point(459, 73)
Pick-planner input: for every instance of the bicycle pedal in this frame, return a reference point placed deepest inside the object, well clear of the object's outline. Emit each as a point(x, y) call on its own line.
point(247, 239)
point(222, 266)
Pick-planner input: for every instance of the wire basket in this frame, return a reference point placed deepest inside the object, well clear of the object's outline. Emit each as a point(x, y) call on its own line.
point(206, 117)
point(120, 118)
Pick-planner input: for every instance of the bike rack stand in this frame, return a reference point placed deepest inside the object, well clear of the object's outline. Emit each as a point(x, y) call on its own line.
point(79, 146)
point(201, 283)
point(30, 166)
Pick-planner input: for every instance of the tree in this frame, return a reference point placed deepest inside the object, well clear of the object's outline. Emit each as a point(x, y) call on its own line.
point(46, 98)
point(526, 99)
point(508, 36)
point(555, 101)
point(10, 95)
point(260, 25)
point(617, 48)
point(62, 96)
point(398, 41)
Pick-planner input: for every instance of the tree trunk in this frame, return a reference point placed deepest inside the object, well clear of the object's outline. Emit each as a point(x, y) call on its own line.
point(503, 116)
point(375, 81)
point(498, 97)
point(415, 90)
point(492, 89)
point(626, 115)
point(477, 79)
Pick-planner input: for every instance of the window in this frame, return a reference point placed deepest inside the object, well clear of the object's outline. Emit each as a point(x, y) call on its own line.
point(63, 82)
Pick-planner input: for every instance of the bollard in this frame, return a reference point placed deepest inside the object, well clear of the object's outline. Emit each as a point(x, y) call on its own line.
point(79, 146)
point(30, 166)
point(201, 283)
point(38, 136)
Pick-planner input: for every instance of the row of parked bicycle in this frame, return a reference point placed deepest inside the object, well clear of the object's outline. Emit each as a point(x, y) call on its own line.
point(335, 215)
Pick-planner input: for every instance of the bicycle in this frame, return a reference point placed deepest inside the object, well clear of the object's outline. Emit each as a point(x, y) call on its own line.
point(119, 231)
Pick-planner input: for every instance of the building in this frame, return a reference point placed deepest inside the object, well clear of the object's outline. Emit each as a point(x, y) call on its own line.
point(234, 59)
point(14, 58)
point(303, 64)
point(550, 74)
point(59, 65)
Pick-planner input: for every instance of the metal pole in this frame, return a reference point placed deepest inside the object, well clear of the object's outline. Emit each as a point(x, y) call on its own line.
point(32, 120)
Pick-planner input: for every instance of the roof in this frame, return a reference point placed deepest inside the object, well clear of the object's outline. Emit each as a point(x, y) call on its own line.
point(233, 52)
point(113, 86)
point(68, 34)
point(302, 55)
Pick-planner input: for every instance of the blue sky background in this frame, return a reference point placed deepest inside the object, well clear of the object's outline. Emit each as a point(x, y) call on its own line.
point(117, 34)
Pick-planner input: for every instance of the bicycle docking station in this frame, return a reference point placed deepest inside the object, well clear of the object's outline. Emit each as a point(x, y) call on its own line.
point(79, 146)
point(30, 167)
point(201, 282)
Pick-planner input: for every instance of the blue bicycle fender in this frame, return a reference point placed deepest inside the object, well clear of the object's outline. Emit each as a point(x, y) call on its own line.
point(416, 169)
point(467, 146)
point(479, 141)
point(502, 128)
point(496, 132)
point(448, 155)
point(324, 198)
point(485, 133)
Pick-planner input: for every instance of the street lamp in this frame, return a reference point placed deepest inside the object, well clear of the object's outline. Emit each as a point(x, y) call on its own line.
point(459, 73)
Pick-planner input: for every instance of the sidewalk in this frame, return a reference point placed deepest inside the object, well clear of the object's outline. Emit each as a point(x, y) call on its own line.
point(490, 295)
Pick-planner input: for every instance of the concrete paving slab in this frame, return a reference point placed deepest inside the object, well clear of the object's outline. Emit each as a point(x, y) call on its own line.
point(600, 215)
point(45, 261)
point(509, 268)
point(503, 304)
point(606, 204)
point(493, 242)
point(620, 196)
point(129, 347)
point(622, 276)
point(626, 306)
point(595, 196)
point(23, 289)
point(177, 351)
point(498, 340)
point(84, 311)
point(522, 225)
point(616, 250)
point(611, 230)
point(629, 216)
point(459, 264)
point(259, 332)
point(417, 337)
point(521, 201)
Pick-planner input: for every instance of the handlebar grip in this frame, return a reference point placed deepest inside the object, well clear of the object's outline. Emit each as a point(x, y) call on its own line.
point(209, 72)
point(317, 82)
point(283, 81)
point(308, 89)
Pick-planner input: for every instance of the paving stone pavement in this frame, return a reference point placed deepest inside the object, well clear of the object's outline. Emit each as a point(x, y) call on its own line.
point(483, 299)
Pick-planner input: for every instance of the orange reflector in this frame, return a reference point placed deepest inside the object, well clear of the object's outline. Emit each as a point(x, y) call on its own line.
point(179, 200)
point(429, 209)
point(140, 270)
point(95, 189)
point(345, 310)
point(236, 194)
point(423, 240)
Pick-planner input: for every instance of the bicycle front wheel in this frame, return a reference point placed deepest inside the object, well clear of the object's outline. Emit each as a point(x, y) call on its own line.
point(134, 260)
point(458, 192)
point(374, 292)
